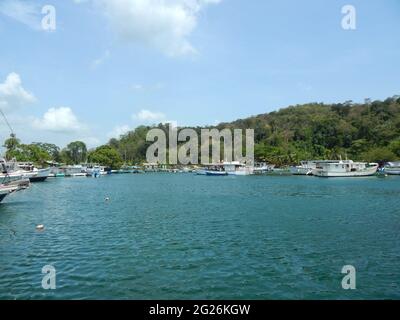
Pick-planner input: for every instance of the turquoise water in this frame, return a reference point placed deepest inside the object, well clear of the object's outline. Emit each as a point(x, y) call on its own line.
point(181, 236)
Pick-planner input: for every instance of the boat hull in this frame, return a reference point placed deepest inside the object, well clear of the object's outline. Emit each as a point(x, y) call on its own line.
point(2, 196)
point(37, 179)
point(240, 173)
point(299, 171)
point(216, 173)
point(5, 190)
point(392, 172)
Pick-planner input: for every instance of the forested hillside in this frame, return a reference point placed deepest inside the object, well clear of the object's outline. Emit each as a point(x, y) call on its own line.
point(369, 131)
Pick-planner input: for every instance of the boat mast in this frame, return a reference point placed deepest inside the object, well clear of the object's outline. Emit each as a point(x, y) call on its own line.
point(8, 124)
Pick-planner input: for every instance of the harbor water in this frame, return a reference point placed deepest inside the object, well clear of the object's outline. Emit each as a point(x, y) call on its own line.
point(182, 236)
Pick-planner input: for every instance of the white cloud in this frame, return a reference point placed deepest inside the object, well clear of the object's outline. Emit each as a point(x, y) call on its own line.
point(165, 25)
point(59, 120)
point(118, 131)
point(25, 12)
point(149, 116)
point(12, 93)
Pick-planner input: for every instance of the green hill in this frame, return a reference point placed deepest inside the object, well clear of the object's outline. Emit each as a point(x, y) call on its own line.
point(369, 131)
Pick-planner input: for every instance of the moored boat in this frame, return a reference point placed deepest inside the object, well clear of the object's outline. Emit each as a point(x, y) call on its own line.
point(346, 168)
point(305, 168)
point(392, 168)
point(212, 170)
point(238, 169)
point(29, 171)
point(11, 187)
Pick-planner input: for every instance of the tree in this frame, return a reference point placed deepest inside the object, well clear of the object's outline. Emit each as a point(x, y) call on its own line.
point(394, 146)
point(51, 149)
point(106, 156)
point(11, 144)
point(28, 153)
point(76, 152)
point(379, 154)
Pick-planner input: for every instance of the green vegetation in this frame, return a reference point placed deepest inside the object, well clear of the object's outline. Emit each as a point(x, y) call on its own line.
point(106, 156)
point(39, 152)
point(367, 132)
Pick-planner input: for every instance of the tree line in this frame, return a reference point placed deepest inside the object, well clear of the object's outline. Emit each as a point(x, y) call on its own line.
point(73, 154)
point(368, 131)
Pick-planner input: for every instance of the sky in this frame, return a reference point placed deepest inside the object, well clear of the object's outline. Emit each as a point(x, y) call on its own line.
point(103, 67)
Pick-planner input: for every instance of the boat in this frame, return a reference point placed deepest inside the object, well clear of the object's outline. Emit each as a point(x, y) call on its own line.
point(347, 168)
point(201, 172)
point(5, 190)
point(216, 173)
point(212, 170)
point(29, 171)
point(96, 171)
point(263, 168)
point(304, 169)
point(9, 187)
point(237, 168)
point(392, 168)
point(9, 171)
point(73, 171)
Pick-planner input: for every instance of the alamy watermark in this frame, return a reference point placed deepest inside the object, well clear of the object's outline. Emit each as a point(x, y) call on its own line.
point(49, 278)
point(49, 21)
point(349, 280)
point(349, 20)
point(190, 144)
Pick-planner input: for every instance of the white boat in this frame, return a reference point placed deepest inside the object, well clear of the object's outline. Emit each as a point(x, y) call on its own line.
point(9, 171)
point(237, 168)
point(6, 189)
point(306, 167)
point(11, 176)
point(13, 171)
point(216, 173)
point(263, 168)
point(96, 171)
point(346, 168)
point(392, 168)
point(201, 172)
point(74, 171)
point(212, 170)
point(29, 171)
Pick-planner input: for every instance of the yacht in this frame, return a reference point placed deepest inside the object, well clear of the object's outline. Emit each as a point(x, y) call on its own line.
point(346, 168)
point(392, 168)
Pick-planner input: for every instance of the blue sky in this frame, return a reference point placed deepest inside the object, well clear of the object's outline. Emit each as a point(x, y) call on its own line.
point(112, 65)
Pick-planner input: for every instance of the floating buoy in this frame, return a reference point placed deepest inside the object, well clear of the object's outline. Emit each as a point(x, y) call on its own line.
point(107, 199)
point(40, 227)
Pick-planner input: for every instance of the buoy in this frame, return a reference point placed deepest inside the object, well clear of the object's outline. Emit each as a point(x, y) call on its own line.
point(40, 227)
point(107, 199)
